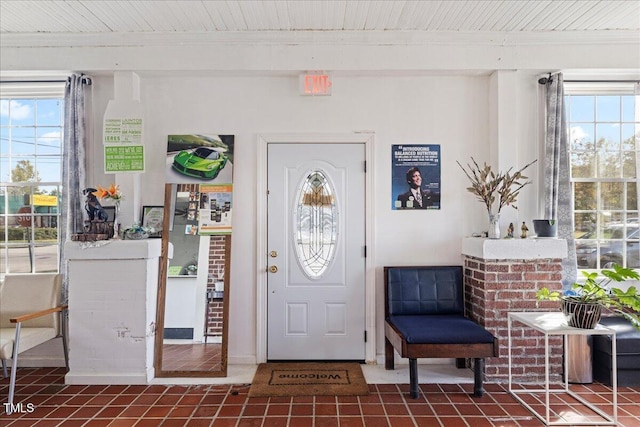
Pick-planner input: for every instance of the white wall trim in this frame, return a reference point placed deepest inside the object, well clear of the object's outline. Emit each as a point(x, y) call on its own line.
point(334, 38)
point(277, 52)
point(366, 138)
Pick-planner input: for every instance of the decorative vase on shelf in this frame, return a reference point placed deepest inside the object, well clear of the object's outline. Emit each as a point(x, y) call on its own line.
point(116, 222)
point(494, 226)
point(581, 314)
point(135, 235)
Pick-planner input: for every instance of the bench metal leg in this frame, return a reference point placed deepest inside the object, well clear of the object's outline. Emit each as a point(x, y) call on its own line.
point(14, 369)
point(478, 371)
point(388, 355)
point(63, 333)
point(414, 390)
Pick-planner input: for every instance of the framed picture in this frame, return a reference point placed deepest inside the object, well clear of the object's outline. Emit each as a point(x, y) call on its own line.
point(153, 216)
point(111, 213)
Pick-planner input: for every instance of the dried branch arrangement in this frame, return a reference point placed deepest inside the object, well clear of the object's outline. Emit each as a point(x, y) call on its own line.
point(486, 184)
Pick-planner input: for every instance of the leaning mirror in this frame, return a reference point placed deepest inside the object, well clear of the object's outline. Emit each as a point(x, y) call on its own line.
point(193, 292)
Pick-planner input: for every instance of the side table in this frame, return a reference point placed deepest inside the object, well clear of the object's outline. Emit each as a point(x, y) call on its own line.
point(555, 323)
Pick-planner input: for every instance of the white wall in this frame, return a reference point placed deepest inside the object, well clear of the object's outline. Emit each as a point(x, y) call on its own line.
point(181, 293)
point(474, 95)
point(450, 111)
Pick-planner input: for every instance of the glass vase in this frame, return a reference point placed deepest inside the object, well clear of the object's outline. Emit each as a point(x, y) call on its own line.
point(116, 222)
point(494, 226)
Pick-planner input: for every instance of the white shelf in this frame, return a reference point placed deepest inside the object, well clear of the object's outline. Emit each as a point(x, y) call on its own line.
point(516, 248)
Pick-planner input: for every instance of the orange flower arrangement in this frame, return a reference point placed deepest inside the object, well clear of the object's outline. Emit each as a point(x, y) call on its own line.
point(113, 192)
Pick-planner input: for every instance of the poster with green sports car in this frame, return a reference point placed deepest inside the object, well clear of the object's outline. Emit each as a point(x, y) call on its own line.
point(197, 158)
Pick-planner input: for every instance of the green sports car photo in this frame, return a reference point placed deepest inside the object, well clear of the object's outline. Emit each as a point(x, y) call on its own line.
point(202, 162)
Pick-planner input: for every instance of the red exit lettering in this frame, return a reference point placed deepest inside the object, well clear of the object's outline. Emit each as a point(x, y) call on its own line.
point(317, 84)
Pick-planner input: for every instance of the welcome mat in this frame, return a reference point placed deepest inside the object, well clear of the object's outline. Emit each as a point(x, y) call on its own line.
point(308, 379)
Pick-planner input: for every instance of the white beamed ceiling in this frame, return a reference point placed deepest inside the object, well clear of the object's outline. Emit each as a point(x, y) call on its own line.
point(191, 16)
point(340, 35)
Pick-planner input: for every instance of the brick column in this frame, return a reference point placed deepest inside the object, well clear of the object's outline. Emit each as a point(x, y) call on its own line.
point(214, 318)
point(215, 306)
point(504, 283)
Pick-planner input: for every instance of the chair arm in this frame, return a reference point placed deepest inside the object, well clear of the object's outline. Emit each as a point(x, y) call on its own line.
point(36, 314)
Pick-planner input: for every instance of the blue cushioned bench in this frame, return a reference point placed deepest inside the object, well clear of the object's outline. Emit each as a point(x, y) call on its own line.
point(424, 318)
point(627, 349)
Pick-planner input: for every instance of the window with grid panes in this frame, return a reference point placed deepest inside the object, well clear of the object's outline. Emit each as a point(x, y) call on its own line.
point(604, 127)
point(31, 131)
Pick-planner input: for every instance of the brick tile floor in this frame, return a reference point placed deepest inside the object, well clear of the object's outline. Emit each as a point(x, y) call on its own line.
point(47, 401)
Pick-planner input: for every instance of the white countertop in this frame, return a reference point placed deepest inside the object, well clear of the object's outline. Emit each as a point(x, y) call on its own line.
point(114, 249)
point(515, 248)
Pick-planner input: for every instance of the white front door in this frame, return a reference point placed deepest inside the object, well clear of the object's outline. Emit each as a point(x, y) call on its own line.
point(316, 252)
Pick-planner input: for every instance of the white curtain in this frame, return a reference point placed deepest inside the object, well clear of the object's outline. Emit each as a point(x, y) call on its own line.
point(558, 197)
point(72, 212)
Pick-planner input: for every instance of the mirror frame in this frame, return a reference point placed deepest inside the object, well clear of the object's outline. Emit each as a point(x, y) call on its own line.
point(161, 302)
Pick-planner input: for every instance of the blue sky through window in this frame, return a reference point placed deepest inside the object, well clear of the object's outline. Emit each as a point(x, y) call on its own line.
point(608, 118)
point(31, 129)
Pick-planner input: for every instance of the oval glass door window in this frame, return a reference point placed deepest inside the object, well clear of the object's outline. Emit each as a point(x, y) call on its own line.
point(315, 224)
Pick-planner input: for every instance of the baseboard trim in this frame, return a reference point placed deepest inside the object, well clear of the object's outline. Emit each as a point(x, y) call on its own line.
point(242, 360)
point(38, 362)
point(105, 379)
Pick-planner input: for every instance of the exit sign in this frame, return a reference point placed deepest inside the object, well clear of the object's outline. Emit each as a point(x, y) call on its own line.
point(315, 84)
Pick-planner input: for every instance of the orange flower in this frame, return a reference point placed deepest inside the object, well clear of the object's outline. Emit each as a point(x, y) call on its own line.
point(100, 193)
point(113, 192)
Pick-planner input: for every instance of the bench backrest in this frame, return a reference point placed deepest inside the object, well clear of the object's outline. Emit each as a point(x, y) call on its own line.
point(423, 290)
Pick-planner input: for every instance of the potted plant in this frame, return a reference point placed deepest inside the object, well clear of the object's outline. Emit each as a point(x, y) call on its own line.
point(488, 186)
point(584, 302)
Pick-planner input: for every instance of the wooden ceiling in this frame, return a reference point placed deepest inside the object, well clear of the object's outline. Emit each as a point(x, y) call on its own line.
point(199, 16)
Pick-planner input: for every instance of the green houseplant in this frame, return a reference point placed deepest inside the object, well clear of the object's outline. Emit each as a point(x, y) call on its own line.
point(584, 302)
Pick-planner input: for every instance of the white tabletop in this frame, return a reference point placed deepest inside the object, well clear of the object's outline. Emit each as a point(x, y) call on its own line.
point(555, 323)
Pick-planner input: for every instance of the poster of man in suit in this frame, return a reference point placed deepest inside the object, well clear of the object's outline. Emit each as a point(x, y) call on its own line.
point(415, 175)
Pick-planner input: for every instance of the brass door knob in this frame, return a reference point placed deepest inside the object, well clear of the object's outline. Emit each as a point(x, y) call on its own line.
point(273, 269)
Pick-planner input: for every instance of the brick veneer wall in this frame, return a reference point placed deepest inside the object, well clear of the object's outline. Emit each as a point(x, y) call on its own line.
point(216, 265)
point(495, 287)
point(214, 318)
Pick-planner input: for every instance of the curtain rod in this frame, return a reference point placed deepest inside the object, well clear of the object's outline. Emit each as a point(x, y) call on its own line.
point(33, 81)
point(602, 81)
point(549, 79)
point(85, 79)
point(542, 81)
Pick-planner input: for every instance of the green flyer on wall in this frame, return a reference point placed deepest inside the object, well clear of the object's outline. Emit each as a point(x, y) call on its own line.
point(118, 158)
point(123, 147)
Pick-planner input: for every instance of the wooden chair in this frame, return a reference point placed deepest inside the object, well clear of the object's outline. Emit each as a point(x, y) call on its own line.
point(30, 314)
point(424, 318)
